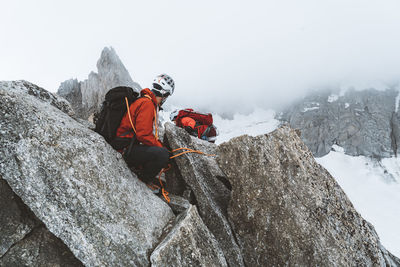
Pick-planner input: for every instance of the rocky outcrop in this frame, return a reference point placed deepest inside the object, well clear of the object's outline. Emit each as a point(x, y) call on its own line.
point(189, 243)
point(67, 199)
point(74, 182)
point(203, 176)
point(86, 97)
point(395, 132)
point(71, 91)
point(24, 241)
point(362, 122)
point(40, 248)
point(16, 220)
point(287, 210)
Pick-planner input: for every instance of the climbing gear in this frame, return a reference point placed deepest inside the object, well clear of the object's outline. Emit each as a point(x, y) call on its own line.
point(187, 150)
point(204, 128)
point(173, 115)
point(163, 191)
point(111, 113)
point(208, 133)
point(201, 118)
point(154, 188)
point(155, 118)
point(163, 85)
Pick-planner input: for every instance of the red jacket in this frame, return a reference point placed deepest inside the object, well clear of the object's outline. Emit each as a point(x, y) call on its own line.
point(144, 118)
point(188, 122)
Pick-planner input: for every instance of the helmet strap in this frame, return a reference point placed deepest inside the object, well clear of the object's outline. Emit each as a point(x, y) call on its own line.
point(157, 92)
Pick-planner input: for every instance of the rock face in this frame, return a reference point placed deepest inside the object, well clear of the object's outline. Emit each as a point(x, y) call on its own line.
point(202, 174)
point(40, 248)
point(68, 199)
point(189, 243)
point(74, 182)
point(86, 97)
point(16, 220)
point(287, 210)
point(362, 122)
point(71, 91)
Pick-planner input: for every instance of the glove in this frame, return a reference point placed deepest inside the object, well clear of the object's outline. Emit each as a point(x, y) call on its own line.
point(191, 131)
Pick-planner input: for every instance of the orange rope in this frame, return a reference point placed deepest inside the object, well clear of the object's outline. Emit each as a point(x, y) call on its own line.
point(156, 123)
point(163, 191)
point(164, 170)
point(181, 149)
point(189, 150)
point(129, 114)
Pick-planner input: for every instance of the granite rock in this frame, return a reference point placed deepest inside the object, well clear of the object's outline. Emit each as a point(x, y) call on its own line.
point(287, 210)
point(203, 176)
point(40, 249)
point(87, 96)
point(16, 220)
point(362, 122)
point(75, 183)
point(189, 243)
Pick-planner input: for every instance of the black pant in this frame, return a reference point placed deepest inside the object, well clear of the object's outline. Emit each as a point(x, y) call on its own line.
point(152, 158)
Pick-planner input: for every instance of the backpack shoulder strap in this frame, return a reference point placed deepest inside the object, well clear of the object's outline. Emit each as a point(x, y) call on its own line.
point(129, 114)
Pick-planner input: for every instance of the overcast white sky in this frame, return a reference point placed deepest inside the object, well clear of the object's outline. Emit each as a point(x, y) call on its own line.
point(223, 53)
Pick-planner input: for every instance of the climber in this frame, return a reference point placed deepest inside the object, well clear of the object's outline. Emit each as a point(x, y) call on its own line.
point(195, 123)
point(145, 149)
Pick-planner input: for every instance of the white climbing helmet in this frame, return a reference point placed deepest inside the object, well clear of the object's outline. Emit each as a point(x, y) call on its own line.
point(163, 85)
point(173, 115)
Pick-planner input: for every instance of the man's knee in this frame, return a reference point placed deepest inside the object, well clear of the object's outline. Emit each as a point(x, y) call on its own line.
point(163, 156)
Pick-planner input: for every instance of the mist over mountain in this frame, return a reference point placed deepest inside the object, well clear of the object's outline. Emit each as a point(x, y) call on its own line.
point(225, 56)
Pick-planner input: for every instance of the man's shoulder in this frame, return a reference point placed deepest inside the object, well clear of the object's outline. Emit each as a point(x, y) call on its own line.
point(143, 100)
point(143, 103)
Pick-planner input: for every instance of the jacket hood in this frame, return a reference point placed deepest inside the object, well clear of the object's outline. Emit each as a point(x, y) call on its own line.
point(148, 92)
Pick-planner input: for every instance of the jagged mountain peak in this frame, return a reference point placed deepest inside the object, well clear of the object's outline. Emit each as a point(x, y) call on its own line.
point(87, 96)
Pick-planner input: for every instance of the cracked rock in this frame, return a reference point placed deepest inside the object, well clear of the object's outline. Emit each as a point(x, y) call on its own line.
point(189, 243)
point(287, 210)
point(201, 174)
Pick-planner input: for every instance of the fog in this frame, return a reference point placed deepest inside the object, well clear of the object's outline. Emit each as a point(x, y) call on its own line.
point(225, 56)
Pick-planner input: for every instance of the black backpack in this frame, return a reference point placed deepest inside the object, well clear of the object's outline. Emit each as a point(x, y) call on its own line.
point(111, 113)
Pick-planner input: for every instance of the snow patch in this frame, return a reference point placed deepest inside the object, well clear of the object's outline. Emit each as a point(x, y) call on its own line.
point(397, 101)
point(338, 148)
point(310, 106)
point(309, 109)
point(333, 98)
point(373, 188)
point(258, 122)
point(346, 105)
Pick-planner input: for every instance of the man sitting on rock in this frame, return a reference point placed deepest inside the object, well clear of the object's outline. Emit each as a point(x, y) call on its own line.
point(147, 151)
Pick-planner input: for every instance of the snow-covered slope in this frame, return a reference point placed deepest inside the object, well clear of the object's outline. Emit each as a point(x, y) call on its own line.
point(372, 186)
point(259, 122)
point(374, 189)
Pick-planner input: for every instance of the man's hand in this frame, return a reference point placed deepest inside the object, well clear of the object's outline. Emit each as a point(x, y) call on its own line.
point(191, 131)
